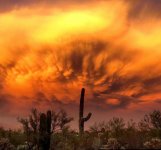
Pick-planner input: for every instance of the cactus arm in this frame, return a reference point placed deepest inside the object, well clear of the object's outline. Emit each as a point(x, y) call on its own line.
point(88, 117)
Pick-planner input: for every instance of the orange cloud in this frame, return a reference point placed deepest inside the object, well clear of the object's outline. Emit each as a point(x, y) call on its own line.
point(47, 55)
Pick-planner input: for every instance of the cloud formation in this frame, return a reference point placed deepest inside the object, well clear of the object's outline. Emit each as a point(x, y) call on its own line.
point(112, 48)
point(144, 9)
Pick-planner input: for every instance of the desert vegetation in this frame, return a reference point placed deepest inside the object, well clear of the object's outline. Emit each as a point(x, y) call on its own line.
point(51, 131)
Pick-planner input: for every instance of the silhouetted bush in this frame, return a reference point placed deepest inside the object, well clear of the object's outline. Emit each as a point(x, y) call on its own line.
point(113, 134)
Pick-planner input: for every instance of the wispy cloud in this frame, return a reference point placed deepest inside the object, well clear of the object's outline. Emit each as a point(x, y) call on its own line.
point(50, 50)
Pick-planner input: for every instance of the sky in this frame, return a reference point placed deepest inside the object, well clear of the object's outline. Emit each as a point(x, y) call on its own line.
point(50, 49)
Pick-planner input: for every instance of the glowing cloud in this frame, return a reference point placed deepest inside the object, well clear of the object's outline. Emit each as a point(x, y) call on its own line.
point(48, 52)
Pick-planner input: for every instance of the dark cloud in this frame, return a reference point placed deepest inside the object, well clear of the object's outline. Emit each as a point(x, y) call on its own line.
point(4, 101)
point(140, 9)
point(157, 101)
point(40, 99)
point(2, 76)
point(16, 4)
point(6, 104)
point(137, 8)
point(89, 51)
point(100, 102)
point(150, 85)
point(113, 83)
point(4, 68)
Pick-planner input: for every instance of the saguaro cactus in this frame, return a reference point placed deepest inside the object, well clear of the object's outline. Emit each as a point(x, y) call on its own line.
point(45, 131)
point(49, 121)
point(82, 119)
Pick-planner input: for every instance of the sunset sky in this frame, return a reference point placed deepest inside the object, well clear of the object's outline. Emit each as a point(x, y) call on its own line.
point(50, 49)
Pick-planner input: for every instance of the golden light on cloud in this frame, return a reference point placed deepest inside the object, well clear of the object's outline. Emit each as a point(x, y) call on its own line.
point(52, 53)
point(113, 101)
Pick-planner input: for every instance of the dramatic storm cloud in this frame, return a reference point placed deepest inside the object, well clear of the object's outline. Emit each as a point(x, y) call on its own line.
point(51, 49)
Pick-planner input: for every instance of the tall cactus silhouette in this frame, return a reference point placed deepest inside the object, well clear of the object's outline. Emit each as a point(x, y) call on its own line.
point(49, 121)
point(45, 131)
point(82, 119)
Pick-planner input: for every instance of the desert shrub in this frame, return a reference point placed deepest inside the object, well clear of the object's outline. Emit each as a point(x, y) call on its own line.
point(31, 125)
point(16, 137)
point(71, 140)
point(113, 144)
point(113, 134)
point(6, 145)
point(150, 125)
point(154, 143)
point(116, 127)
point(63, 140)
point(131, 137)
